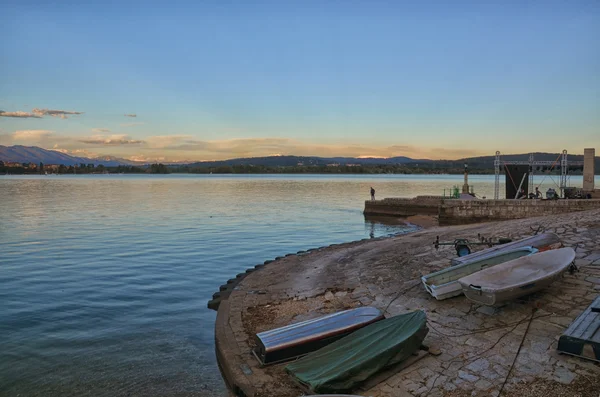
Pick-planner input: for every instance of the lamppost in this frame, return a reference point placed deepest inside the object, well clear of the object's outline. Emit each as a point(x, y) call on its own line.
point(465, 188)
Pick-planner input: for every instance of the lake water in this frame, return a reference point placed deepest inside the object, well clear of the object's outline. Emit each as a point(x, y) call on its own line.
point(104, 279)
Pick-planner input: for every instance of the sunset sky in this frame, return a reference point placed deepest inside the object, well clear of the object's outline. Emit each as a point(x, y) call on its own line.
point(222, 79)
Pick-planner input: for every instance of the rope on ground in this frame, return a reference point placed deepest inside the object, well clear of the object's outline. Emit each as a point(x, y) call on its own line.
point(400, 293)
point(518, 351)
point(477, 356)
point(479, 330)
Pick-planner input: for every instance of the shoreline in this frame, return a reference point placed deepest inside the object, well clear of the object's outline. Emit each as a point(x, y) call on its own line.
point(419, 222)
point(369, 272)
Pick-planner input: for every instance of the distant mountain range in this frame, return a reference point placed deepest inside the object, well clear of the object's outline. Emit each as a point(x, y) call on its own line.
point(286, 161)
point(33, 154)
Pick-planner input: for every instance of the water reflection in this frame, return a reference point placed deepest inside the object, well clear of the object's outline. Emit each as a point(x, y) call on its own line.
point(377, 225)
point(104, 279)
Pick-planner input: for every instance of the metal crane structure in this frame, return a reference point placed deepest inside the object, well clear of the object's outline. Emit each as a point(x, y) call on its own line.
point(564, 170)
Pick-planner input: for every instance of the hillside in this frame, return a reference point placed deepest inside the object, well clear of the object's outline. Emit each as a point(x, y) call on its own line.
point(288, 161)
point(33, 154)
point(488, 161)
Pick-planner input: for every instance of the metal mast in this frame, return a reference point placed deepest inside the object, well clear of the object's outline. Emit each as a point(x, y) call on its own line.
point(564, 170)
point(531, 171)
point(564, 167)
point(497, 181)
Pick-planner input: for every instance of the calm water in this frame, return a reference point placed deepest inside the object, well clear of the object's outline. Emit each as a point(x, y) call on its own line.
point(104, 279)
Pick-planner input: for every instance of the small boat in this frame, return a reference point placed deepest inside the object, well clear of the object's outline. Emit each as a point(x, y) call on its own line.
point(517, 278)
point(444, 283)
point(296, 340)
point(542, 242)
point(346, 363)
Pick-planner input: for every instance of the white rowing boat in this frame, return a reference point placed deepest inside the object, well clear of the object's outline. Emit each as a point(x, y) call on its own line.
point(518, 277)
point(444, 283)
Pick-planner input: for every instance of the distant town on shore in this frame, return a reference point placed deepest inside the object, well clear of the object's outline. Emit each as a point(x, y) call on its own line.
point(15, 160)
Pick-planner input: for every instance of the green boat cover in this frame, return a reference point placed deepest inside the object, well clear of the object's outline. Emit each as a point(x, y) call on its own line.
point(347, 362)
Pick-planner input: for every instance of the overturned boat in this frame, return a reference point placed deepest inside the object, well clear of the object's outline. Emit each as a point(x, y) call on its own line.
point(444, 283)
point(517, 278)
point(348, 362)
point(296, 340)
point(542, 242)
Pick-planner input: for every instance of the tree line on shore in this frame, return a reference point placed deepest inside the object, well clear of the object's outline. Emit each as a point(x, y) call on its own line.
point(159, 168)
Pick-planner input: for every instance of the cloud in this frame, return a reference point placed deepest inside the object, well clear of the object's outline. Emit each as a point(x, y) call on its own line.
point(163, 141)
point(139, 158)
point(54, 113)
point(131, 124)
point(100, 130)
point(19, 114)
point(65, 151)
point(145, 159)
point(30, 135)
point(77, 153)
point(111, 140)
point(131, 115)
point(183, 146)
point(443, 153)
point(241, 145)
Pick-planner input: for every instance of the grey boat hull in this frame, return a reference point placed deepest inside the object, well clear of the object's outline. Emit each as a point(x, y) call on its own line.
point(299, 339)
point(542, 242)
point(517, 278)
point(444, 283)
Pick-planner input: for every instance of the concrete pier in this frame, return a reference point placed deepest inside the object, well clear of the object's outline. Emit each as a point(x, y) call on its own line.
point(589, 156)
point(472, 347)
point(456, 211)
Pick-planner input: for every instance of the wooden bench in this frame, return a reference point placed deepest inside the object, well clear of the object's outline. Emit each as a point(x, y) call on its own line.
point(582, 338)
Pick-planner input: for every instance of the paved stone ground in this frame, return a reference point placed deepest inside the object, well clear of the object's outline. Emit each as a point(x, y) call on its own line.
point(477, 343)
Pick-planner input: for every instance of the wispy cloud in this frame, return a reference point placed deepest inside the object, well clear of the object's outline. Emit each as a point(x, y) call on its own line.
point(145, 159)
point(444, 153)
point(30, 135)
point(163, 141)
point(19, 114)
point(187, 147)
point(111, 140)
point(54, 113)
point(57, 149)
point(131, 124)
point(76, 152)
point(130, 115)
point(255, 147)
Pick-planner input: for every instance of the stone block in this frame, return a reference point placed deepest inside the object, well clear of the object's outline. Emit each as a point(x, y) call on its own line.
point(467, 376)
point(563, 375)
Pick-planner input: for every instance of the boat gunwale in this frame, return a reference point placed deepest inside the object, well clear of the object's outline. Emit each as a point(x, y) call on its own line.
point(273, 333)
point(519, 284)
point(555, 242)
point(287, 338)
point(426, 278)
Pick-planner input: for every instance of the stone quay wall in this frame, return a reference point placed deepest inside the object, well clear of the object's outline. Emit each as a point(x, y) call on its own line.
point(420, 205)
point(453, 212)
point(456, 211)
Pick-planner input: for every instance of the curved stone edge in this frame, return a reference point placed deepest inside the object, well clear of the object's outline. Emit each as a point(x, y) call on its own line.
point(231, 359)
point(226, 351)
point(226, 347)
point(226, 289)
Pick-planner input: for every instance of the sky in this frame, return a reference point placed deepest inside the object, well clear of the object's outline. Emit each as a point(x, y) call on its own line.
point(210, 80)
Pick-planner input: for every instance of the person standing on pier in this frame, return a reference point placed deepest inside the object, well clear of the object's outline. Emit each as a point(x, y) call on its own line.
point(372, 193)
